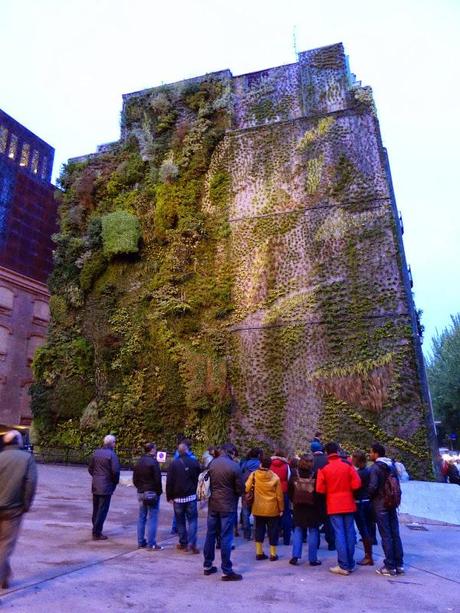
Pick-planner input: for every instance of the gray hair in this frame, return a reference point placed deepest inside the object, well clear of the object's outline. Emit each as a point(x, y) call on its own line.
point(109, 440)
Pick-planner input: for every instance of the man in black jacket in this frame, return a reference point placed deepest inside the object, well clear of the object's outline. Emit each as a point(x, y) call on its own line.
point(226, 486)
point(147, 480)
point(104, 468)
point(387, 519)
point(181, 483)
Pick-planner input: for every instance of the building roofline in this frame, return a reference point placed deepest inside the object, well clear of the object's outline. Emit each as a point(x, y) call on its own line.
point(26, 130)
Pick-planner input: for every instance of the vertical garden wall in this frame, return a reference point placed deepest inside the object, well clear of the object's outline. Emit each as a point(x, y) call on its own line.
point(233, 267)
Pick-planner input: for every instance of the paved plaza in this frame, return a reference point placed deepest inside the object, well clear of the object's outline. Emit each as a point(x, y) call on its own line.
point(57, 566)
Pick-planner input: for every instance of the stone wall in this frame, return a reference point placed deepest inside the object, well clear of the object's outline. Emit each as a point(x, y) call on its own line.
point(24, 317)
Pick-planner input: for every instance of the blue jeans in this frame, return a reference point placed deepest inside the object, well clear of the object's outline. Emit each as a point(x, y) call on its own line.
point(286, 520)
point(225, 523)
point(388, 525)
point(312, 540)
point(345, 539)
point(148, 514)
point(246, 517)
point(186, 512)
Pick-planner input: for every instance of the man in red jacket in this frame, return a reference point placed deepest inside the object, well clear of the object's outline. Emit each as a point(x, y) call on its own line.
point(337, 480)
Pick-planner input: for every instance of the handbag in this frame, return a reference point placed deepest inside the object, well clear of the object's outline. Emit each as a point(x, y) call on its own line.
point(149, 498)
point(249, 495)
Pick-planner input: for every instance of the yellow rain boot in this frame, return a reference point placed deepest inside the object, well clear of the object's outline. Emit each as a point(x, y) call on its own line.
point(260, 552)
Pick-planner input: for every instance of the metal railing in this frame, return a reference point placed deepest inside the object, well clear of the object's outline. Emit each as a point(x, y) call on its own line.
point(81, 455)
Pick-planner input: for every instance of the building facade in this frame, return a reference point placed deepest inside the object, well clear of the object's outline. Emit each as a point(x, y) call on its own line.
point(27, 221)
point(242, 271)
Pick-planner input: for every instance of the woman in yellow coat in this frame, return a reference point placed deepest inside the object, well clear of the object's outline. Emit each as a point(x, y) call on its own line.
point(267, 507)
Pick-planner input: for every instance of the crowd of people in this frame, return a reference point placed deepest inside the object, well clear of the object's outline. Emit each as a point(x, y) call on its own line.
point(268, 496)
point(323, 491)
point(450, 468)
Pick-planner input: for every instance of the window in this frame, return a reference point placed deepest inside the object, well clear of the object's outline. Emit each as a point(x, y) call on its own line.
point(34, 343)
point(44, 172)
point(4, 341)
point(25, 153)
point(12, 149)
point(24, 403)
point(3, 138)
point(6, 298)
point(34, 165)
point(41, 310)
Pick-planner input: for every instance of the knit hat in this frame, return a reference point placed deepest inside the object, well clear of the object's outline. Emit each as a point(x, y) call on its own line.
point(316, 446)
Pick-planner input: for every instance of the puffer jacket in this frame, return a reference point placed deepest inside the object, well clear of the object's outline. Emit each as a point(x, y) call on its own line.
point(338, 479)
point(280, 467)
point(226, 485)
point(268, 494)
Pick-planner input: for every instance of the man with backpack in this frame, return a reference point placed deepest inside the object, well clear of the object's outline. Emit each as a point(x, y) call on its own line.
point(385, 493)
point(181, 486)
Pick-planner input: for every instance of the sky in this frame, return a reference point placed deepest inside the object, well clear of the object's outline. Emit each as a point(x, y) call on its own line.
point(66, 63)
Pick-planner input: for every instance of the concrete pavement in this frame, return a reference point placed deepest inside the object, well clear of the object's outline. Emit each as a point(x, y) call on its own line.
point(57, 567)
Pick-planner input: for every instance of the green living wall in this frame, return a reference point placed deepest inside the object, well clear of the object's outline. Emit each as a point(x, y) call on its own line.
point(141, 289)
point(232, 268)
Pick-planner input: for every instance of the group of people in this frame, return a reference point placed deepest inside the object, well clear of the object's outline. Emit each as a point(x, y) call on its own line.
point(450, 469)
point(323, 490)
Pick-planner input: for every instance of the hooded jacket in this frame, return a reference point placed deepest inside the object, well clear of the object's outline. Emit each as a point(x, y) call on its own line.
point(337, 480)
point(377, 474)
point(249, 466)
point(280, 467)
point(268, 495)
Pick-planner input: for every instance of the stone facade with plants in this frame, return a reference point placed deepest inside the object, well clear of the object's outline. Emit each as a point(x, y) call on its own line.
point(233, 267)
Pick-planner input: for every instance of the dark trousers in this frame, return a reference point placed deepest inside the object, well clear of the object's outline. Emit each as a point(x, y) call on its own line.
point(101, 506)
point(285, 521)
point(329, 534)
point(269, 524)
point(10, 522)
point(223, 524)
point(388, 525)
point(364, 518)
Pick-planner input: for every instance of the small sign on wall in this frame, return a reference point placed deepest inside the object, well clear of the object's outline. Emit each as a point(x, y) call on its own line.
point(161, 457)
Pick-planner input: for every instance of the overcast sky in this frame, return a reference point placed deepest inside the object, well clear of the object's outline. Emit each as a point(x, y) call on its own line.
point(66, 63)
